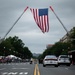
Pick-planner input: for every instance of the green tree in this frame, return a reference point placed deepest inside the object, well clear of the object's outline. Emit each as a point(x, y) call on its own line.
point(5, 47)
point(57, 49)
point(72, 37)
point(15, 46)
point(27, 53)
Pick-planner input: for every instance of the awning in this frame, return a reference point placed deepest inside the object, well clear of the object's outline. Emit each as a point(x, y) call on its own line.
point(71, 51)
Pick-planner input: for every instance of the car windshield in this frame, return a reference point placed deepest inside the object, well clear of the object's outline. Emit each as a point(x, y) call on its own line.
point(48, 57)
point(64, 57)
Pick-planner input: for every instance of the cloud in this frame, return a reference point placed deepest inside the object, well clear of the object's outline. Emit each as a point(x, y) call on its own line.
point(26, 28)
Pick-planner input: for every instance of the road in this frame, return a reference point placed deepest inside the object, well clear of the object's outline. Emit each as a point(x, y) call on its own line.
point(60, 70)
point(35, 69)
point(16, 69)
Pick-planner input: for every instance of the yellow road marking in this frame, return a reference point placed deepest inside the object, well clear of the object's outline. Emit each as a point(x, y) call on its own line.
point(36, 70)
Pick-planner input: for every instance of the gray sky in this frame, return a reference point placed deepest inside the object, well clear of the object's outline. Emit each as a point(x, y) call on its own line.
point(26, 28)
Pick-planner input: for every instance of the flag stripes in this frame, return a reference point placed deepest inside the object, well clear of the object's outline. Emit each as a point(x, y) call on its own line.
point(41, 21)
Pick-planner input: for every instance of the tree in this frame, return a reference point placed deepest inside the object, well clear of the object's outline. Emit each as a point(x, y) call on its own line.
point(5, 47)
point(72, 37)
point(60, 47)
point(15, 46)
point(27, 53)
point(57, 49)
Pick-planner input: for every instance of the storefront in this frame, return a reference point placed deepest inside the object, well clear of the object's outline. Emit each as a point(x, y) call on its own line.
point(73, 56)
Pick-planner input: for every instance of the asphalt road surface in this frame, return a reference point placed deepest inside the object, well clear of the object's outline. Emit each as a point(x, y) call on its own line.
point(60, 70)
point(16, 69)
point(35, 69)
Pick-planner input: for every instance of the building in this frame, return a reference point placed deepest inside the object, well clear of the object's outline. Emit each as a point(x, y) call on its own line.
point(65, 39)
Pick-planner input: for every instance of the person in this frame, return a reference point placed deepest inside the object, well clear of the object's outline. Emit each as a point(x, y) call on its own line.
point(31, 61)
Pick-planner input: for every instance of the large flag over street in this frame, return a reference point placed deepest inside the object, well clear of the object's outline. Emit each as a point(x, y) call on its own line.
point(41, 18)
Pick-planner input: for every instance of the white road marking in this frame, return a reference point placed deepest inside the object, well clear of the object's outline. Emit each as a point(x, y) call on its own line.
point(20, 68)
point(21, 73)
point(13, 63)
point(14, 73)
point(4, 73)
point(26, 73)
point(66, 68)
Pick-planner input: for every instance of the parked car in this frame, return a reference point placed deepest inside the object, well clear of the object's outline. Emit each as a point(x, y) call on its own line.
point(64, 60)
point(50, 60)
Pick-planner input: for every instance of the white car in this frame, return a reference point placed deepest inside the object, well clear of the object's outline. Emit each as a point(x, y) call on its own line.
point(50, 60)
point(64, 60)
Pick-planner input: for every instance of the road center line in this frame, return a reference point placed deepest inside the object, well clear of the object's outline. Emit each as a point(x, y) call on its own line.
point(36, 70)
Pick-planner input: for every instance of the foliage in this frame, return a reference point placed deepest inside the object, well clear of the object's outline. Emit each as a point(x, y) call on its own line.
point(57, 49)
point(15, 46)
point(61, 48)
point(72, 36)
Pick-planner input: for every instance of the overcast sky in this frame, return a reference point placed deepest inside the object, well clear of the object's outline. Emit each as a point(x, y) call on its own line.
point(26, 28)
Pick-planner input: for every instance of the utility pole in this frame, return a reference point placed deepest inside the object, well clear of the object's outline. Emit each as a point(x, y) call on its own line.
point(13, 25)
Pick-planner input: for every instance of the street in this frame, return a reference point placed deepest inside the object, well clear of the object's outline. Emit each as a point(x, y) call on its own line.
point(35, 69)
point(60, 70)
point(16, 69)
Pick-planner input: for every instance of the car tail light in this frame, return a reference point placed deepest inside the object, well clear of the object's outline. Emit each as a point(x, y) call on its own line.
point(50, 59)
point(47, 59)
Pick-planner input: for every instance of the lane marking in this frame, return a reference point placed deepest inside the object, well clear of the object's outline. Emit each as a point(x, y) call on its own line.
point(20, 68)
point(66, 68)
point(36, 70)
point(4, 73)
point(21, 73)
point(14, 73)
point(26, 73)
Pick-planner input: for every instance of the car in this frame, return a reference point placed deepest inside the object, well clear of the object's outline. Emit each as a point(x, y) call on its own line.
point(50, 60)
point(64, 60)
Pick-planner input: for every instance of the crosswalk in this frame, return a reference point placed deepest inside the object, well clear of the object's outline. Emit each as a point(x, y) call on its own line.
point(14, 73)
point(13, 63)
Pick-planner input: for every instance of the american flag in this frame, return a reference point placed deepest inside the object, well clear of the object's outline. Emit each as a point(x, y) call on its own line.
point(41, 18)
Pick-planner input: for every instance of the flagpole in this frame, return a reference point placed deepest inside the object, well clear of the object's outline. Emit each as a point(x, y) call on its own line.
point(15, 23)
point(59, 20)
